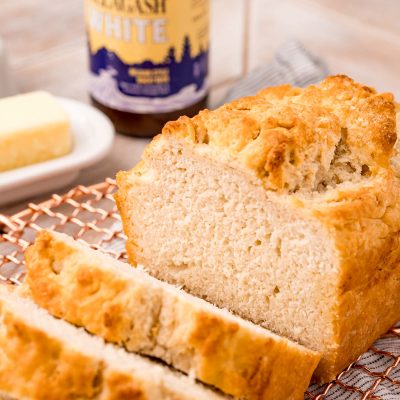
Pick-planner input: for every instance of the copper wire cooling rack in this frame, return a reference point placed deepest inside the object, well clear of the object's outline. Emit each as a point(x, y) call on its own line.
point(89, 214)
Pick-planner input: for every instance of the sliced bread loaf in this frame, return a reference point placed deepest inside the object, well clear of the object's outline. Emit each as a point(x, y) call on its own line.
point(126, 306)
point(282, 207)
point(42, 358)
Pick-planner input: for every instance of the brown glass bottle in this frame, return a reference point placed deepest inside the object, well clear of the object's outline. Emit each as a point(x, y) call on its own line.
point(148, 61)
point(146, 125)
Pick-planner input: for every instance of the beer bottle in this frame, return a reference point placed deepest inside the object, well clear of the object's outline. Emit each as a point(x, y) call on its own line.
point(148, 60)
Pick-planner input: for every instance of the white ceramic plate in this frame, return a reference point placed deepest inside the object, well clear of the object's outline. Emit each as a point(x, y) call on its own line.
point(93, 136)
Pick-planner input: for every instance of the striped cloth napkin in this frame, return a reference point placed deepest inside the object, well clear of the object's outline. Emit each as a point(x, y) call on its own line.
point(292, 63)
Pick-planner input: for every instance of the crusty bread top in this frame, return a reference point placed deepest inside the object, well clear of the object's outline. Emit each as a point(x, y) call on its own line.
point(44, 358)
point(300, 139)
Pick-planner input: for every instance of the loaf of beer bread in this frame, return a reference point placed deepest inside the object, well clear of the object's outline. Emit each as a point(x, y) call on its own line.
point(284, 208)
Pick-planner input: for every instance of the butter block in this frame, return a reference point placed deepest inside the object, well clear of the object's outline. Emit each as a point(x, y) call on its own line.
point(33, 128)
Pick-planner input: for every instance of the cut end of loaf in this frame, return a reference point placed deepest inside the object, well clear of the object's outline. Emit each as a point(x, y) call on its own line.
point(217, 232)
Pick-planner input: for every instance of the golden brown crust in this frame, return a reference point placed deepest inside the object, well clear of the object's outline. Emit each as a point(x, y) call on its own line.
point(120, 199)
point(365, 314)
point(368, 117)
point(276, 361)
point(237, 359)
point(33, 365)
point(284, 129)
point(123, 388)
point(273, 140)
point(37, 363)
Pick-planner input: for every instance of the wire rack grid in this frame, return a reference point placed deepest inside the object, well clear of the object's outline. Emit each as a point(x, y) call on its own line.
point(89, 214)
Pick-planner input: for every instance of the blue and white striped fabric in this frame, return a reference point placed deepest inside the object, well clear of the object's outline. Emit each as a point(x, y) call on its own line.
point(292, 63)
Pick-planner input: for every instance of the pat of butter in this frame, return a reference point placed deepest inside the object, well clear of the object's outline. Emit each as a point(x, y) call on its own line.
point(33, 128)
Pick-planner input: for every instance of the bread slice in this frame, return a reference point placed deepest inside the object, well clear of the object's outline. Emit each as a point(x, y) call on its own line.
point(42, 358)
point(282, 207)
point(126, 306)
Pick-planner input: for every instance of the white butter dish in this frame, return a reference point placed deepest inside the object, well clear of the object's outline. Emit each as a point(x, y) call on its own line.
point(93, 136)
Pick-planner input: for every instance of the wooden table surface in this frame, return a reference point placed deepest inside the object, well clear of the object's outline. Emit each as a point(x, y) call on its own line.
point(47, 50)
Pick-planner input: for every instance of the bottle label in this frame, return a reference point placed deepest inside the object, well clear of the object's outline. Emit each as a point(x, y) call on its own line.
point(147, 56)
